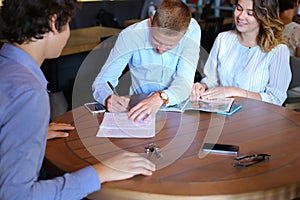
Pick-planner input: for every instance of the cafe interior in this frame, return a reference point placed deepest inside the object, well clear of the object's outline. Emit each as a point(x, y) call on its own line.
point(213, 16)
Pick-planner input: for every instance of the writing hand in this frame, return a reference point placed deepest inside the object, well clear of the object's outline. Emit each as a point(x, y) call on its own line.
point(198, 89)
point(56, 130)
point(116, 103)
point(123, 166)
point(145, 109)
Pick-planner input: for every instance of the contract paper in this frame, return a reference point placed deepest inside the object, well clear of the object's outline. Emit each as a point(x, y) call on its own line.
point(117, 125)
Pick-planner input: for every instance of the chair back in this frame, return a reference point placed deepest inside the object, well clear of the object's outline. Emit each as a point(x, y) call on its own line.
point(209, 31)
point(295, 68)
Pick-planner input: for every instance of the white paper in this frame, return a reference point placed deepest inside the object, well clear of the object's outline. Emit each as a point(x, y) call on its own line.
point(117, 125)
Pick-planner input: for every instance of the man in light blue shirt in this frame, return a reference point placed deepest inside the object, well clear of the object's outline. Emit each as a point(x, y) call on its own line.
point(162, 53)
point(25, 112)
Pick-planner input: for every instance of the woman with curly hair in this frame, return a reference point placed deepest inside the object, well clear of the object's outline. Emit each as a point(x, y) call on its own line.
point(251, 61)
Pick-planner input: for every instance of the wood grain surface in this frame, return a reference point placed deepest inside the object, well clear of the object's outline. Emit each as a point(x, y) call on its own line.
point(185, 172)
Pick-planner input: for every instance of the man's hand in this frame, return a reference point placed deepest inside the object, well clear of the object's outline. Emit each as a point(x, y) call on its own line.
point(123, 166)
point(198, 90)
point(58, 130)
point(116, 103)
point(145, 109)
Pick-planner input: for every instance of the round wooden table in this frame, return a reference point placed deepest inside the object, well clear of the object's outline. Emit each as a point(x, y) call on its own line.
point(184, 171)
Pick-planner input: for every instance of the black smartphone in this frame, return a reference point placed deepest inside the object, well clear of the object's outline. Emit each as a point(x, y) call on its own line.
point(95, 107)
point(233, 109)
point(221, 148)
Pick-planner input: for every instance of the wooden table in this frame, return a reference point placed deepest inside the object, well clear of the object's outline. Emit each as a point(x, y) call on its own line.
point(86, 39)
point(184, 173)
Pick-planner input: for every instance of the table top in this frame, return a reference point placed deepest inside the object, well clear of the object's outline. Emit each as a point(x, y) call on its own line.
point(86, 39)
point(184, 170)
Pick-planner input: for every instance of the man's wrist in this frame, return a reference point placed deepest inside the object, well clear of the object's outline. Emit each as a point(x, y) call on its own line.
point(163, 96)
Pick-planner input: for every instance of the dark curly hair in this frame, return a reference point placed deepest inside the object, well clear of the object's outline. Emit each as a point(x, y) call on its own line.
point(271, 27)
point(30, 20)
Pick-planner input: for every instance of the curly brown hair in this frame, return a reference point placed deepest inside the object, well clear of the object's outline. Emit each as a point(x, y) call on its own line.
point(31, 18)
point(271, 27)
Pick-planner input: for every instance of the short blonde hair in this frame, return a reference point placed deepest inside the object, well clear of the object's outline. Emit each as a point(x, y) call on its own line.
point(173, 15)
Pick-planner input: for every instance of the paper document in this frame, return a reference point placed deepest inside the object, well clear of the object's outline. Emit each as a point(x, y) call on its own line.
point(117, 125)
point(213, 105)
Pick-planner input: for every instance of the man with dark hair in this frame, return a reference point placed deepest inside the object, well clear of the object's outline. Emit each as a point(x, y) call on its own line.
point(36, 30)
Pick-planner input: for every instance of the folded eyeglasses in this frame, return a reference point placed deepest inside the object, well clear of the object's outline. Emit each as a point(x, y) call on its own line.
point(248, 160)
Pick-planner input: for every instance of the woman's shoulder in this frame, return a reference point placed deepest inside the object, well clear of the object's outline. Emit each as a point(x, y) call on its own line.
point(231, 34)
point(227, 36)
point(281, 49)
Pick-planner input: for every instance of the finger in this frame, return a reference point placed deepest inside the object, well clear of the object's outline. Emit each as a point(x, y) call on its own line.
point(142, 116)
point(60, 126)
point(138, 114)
point(115, 104)
point(56, 134)
point(61, 134)
point(64, 127)
point(124, 101)
point(147, 117)
point(142, 161)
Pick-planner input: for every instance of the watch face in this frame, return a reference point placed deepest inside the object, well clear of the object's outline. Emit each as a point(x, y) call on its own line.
point(164, 96)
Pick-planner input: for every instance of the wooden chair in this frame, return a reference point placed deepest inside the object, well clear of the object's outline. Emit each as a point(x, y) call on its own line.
point(293, 102)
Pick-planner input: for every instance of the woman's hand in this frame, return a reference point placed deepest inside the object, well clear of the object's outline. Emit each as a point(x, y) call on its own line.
point(198, 90)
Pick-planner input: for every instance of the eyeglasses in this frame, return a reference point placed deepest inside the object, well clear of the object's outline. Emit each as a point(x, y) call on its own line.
point(248, 160)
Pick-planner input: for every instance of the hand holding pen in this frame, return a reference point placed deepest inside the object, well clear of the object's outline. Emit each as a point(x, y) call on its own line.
point(112, 88)
point(116, 103)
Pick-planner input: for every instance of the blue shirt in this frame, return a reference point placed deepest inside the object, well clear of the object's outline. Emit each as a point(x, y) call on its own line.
point(232, 64)
point(25, 112)
point(173, 71)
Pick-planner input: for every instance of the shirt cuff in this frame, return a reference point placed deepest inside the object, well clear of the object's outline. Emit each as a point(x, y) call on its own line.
point(89, 180)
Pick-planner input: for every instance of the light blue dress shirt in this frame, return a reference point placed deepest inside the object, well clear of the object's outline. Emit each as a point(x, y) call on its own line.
point(173, 71)
point(231, 64)
point(25, 112)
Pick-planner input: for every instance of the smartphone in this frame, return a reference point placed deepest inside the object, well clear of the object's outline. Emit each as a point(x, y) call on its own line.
point(221, 148)
point(95, 107)
point(233, 109)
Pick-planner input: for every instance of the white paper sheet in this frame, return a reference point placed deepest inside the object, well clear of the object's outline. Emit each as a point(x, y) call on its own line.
point(117, 125)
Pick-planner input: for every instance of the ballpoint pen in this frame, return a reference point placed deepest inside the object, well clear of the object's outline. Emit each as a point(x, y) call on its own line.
point(112, 88)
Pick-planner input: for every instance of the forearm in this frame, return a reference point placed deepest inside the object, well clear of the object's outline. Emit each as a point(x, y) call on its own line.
point(238, 92)
point(179, 90)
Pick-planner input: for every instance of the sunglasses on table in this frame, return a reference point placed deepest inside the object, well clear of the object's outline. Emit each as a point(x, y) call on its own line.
point(248, 160)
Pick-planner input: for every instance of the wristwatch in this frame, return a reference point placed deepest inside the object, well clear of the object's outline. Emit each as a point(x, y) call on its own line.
point(164, 96)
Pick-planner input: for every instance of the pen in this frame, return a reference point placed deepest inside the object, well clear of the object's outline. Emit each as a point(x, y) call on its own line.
point(112, 88)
